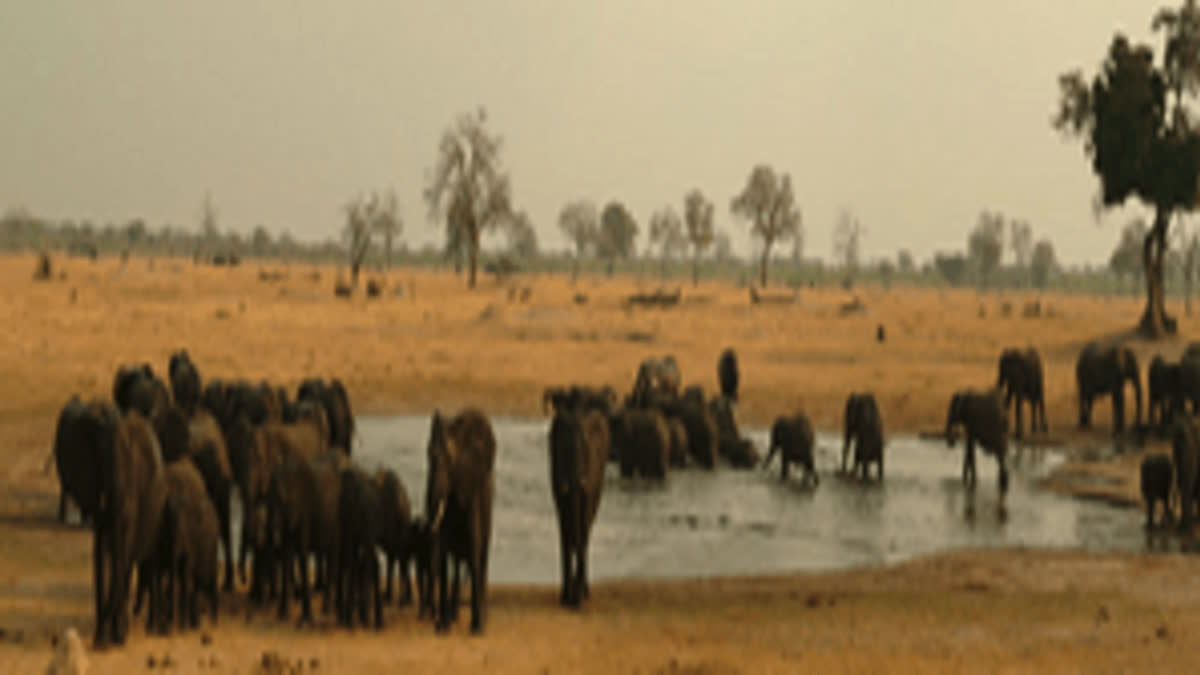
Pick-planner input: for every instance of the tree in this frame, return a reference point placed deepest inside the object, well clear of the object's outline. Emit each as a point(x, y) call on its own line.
point(1041, 262)
point(952, 267)
point(1020, 237)
point(847, 241)
point(985, 245)
point(616, 234)
point(768, 203)
point(260, 240)
point(387, 224)
point(904, 261)
point(698, 217)
point(522, 237)
point(722, 247)
point(468, 186)
point(1125, 260)
point(208, 219)
point(1140, 146)
point(360, 214)
point(135, 232)
point(666, 230)
point(579, 221)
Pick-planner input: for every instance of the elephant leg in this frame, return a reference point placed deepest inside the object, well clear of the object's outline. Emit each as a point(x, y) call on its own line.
point(285, 582)
point(479, 546)
point(1118, 405)
point(1085, 405)
point(389, 562)
point(306, 615)
point(244, 545)
point(1020, 400)
point(98, 542)
point(226, 537)
point(783, 462)
point(581, 551)
point(564, 546)
point(1003, 478)
point(969, 462)
point(442, 582)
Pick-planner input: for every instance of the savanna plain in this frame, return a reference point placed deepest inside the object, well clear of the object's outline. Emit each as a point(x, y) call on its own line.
point(438, 345)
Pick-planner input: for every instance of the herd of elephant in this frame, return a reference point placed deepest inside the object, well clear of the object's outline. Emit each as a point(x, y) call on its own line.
point(153, 471)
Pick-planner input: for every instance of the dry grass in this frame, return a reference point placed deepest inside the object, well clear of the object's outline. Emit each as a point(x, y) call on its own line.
point(439, 345)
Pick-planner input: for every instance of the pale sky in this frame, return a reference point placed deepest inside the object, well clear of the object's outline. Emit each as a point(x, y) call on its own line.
point(915, 115)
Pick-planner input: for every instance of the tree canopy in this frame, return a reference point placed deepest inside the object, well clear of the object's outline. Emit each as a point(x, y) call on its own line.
point(616, 234)
point(698, 218)
point(768, 203)
point(579, 221)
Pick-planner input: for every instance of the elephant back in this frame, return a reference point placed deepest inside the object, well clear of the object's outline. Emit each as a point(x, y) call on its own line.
point(139, 489)
point(76, 455)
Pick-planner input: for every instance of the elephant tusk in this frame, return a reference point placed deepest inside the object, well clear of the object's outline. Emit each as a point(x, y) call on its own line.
point(437, 518)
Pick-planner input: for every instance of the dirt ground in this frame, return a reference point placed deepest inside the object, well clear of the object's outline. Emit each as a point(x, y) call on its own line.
point(437, 345)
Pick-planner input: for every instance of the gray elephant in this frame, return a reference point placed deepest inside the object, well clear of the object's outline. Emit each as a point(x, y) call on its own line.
point(578, 447)
point(76, 458)
point(641, 439)
point(658, 379)
point(185, 381)
point(1185, 451)
point(132, 495)
point(396, 538)
point(981, 414)
point(360, 529)
point(1162, 379)
point(1103, 371)
point(459, 495)
point(1187, 386)
point(864, 430)
point(727, 373)
point(332, 396)
point(1020, 377)
point(1157, 477)
point(792, 438)
point(187, 546)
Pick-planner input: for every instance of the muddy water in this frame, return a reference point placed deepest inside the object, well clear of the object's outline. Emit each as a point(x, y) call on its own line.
point(702, 523)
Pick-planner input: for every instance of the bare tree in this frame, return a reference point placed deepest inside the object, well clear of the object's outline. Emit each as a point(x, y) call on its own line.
point(698, 216)
point(360, 214)
point(387, 224)
point(768, 203)
point(522, 237)
point(1020, 237)
point(847, 241)
point(1041, 262)
point(580, 222)
point(468, 186)
point(985, 245)
point(666, 230)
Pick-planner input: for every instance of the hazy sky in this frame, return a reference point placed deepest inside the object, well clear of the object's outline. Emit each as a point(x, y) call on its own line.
point(915, 115)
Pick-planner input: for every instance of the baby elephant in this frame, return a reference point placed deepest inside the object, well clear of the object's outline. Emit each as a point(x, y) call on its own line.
point(792, 436)
point(1157, 477)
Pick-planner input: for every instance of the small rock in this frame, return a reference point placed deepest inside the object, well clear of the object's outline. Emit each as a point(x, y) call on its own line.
point(70, 658)
point(1162, 633)
point(206, 639)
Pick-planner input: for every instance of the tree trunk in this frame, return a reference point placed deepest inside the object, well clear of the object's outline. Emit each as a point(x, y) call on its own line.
point(474, 258)
point(766, 254)
point(611, 262)
point(1155, 322)
point(696, 269)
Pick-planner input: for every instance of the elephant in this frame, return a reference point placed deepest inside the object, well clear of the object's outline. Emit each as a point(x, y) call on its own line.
point(302, 508)
point(1157, 477)
point(702, 434)
point(658, 379)
point(76, 458)
point(360, 529)
point(579, 443)
point(336, 402)
point(1162, 380)
point(459, 494)
point(1185, 451)
point(421, 544)
point(1020, 376)
point(641, 439)
point(136, 387)
point(727, 374)
point(678, 454)
point(982, 417)
point(187, 545)
point(206, 447)
point(576, 397)
point(185, 381)
point(792, 438)
point(395, 514)
point(1100, 371)
point(864, 429)
point(739, 452)
point(132, 496)
point(1187, 386)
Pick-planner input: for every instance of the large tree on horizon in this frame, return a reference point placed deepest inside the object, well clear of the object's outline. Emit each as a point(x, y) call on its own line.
point(768, 203)
point(1136, 129)
point(698, 218)
point(468, 186)
point(615, 236)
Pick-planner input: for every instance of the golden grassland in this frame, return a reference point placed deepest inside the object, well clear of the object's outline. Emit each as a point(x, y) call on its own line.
point(439, 345)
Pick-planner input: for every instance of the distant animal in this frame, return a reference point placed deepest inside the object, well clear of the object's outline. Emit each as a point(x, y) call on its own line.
point(579, 443)
point(1102, 371)
point(641, 440)
point(792, 438)
point(727, 373)
point(1020, 377)
point(1157, 477)
point(981, 414)
point(459, 493)
point(864, 430)
point(880, 334)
